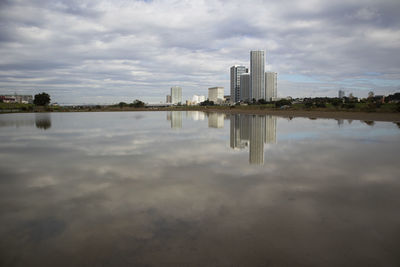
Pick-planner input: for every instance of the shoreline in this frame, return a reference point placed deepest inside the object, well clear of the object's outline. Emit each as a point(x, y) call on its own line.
point(313, 114)
point(287, 113)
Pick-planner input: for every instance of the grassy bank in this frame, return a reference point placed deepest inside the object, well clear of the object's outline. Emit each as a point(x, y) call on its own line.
point(360, 111)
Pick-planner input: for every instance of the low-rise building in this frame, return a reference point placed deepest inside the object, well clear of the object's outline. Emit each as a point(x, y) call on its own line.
point(216, 94)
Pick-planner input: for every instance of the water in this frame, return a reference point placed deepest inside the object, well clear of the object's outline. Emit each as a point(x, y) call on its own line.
point(191, 189)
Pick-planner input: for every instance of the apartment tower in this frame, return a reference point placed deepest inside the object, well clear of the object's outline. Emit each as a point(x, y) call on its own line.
point(271, 85)
point(257, 74)
point(176, 95)
point(245, 87)
point(236, 72)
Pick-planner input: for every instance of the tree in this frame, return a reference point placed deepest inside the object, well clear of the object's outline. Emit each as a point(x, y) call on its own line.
point(207, 103)
point(283, 102)
point(138, 104)
point(42, 99)
point(262, 101)
point(370, 94)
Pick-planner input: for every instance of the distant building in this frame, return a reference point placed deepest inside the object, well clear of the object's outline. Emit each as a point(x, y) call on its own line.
point(236, 72)
point(216, 94)
point(257, 74)
point(271, 85)
point(168, 99)
point(341, 94)
point(176, 95)
point(245, 87)
point(197, 99)
point(202, 98)
point(24, 99)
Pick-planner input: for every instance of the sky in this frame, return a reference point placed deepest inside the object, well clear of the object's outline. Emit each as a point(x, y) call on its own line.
point(100, 52)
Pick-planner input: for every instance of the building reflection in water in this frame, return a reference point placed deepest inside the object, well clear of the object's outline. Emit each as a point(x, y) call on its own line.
point(196, 115)
point(252, 131)
point(216, 120)
point(176, 119)
point(43, 120)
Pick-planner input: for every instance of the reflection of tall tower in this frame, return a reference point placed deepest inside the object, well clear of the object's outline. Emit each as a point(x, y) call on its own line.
point(257, 132)
point(216, 120)
point(270, 129)
point(195, 115)
point(176, 119)
point(252, 131)
point(236, 138)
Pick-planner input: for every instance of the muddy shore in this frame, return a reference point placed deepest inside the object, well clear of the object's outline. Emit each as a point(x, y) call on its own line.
point(364, 116)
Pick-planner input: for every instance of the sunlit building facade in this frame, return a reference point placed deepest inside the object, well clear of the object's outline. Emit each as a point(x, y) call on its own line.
point(216, 94)
point(176, 95)
point(257, 74)
point(271, 85)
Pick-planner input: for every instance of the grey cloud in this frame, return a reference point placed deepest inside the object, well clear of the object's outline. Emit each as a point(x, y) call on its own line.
point(150, 46)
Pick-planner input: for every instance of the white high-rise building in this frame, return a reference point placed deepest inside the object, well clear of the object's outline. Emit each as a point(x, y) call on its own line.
point(216, 94)
point(257, 74)
point(236, 72)
point(176, 95)
point(245, 87)
point(271, 85)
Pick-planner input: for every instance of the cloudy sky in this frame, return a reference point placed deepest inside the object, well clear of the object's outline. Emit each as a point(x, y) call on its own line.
point(111, 51)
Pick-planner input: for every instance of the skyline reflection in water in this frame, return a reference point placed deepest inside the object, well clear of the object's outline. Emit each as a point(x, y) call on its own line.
point(126, 189)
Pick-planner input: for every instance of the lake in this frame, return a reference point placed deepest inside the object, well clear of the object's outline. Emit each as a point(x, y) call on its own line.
point(196, 189)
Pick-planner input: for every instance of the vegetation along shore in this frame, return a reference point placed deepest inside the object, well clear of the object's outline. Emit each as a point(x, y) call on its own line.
point(372, 109)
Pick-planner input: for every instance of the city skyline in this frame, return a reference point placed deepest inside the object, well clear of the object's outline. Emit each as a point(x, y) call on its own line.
point(112, 51)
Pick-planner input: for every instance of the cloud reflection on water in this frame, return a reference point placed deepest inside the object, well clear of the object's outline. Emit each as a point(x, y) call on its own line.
point(106, 188)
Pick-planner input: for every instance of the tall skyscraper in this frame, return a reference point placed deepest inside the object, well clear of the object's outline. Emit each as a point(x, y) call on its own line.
point(176, 95)
point(236, 72)
point(271, 84)
point(245, 87)
point(341, 94)
point(257, 74)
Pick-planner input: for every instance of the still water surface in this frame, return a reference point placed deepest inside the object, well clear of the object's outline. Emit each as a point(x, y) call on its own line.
point(191, 189)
